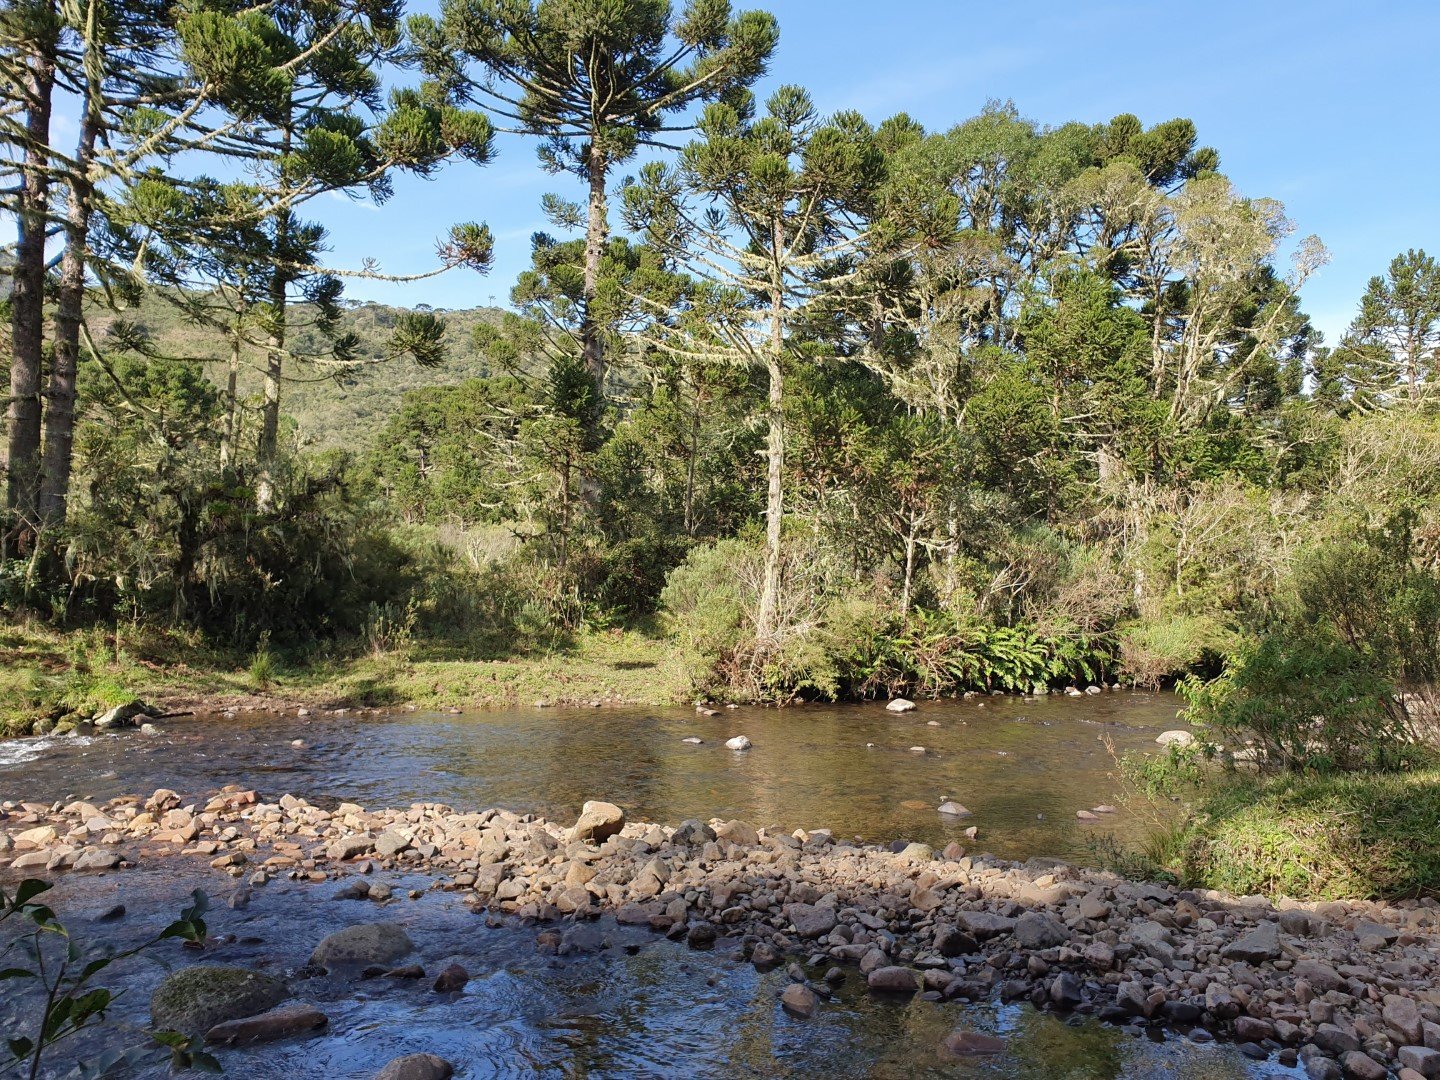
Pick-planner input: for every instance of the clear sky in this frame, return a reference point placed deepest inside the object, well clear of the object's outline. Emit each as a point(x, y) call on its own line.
point(1331, 107)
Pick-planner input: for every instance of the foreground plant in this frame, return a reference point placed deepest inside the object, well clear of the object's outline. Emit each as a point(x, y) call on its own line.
point(54, 964)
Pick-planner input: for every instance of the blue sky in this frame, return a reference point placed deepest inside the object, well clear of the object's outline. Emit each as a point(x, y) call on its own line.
point(1333, 108)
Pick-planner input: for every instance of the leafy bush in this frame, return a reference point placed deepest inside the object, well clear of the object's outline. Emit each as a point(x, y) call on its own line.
point(1347, 675)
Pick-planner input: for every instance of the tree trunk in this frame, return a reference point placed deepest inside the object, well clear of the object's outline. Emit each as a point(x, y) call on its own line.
point(69, 309)
point(232, 377)
point(597, 231)
point(27, 306)
point(774, 451)
point(909, 569)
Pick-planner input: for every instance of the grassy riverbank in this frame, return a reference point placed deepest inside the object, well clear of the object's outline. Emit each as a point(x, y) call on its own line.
point(54, 676)
point(1308, 837)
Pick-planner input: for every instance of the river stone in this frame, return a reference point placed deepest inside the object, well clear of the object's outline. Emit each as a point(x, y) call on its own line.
point(1036, 930)
point(900, 705)
point(123, 715)
point(738, 832)
point(1175, 738)
point(1402, 1016)
point(1422, 1059)
point(966, 1043)
point(390, 843)
point(195, 999)
point(367, 943)
point(984, 924)
point(950, 942)
point(97, 859)
point(1259, 945)
point(1322, 977)
point(598, 821)
point(267, 1026)
point(739, 742)
point(1360, 1066)
point(893, 980)
point(417, 1067)
point(1066, 991)
point(811, 920)
point(951, 808)
point(798, 1000)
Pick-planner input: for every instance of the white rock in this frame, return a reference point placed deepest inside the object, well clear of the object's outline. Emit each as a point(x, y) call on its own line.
point(739, 742)
point(900, 704)
point(1175, 738)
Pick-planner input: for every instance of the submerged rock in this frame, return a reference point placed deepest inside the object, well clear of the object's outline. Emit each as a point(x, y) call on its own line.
point(196, 999)
point(268, 1026)
point(417, 1067)
point(367, 943)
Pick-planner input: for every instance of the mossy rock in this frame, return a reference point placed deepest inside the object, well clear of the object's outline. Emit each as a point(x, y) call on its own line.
point(195, 999)
point(368, 943)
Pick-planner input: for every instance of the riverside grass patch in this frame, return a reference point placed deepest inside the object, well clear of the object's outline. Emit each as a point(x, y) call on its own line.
point(1319, 837)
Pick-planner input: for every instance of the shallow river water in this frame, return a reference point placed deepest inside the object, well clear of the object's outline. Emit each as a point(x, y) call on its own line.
point(637, 1005)
point(1022, 767)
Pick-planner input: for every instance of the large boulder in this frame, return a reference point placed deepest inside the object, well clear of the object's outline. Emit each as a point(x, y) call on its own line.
point(125, 715)
point(368, 943)
point(1259, 945)
point(195, 999)
point(811, 920)
point(598, 821)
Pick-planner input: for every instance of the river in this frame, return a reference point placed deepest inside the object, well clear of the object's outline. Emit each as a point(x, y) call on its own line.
point(1023, 767)
point(640, 1006)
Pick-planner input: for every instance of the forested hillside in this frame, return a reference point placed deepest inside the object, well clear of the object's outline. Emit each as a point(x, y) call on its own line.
point(330, 406)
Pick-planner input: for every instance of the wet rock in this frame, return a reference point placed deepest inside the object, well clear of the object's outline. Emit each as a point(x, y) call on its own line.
point(278, 1023)
point(417, 1067)
point(1256, 947)
point(900, 705)
point(124, 715)
point(452, 979)
point(951, 808)
point(764, 957)
point(598, 821)
point(799, 1000)
point(195, 999)
point(1065, 991)
point(97, 859)
point(966, 1043)
point(893, 980)
point(367, 943)
point(739, 742)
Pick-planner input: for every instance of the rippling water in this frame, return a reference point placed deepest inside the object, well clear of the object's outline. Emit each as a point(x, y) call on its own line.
point(639, 1006)
point(1023, 767)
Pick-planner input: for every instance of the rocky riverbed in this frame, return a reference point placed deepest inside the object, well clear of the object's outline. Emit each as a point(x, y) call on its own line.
point(1342, 990)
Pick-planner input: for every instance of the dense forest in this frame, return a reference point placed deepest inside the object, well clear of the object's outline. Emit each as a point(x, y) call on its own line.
point(834, 405)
